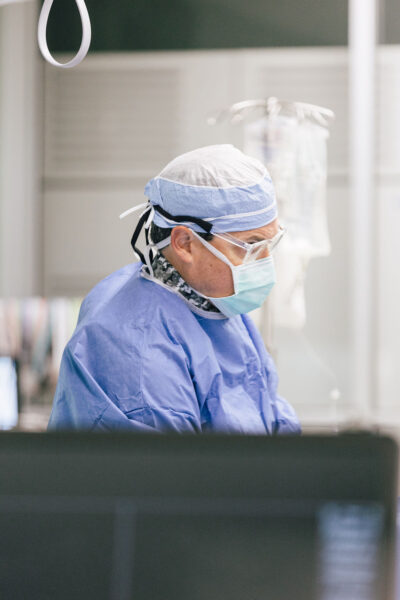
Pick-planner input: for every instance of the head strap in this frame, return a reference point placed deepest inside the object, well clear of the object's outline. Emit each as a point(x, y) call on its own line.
point(177, 219)
point(136, 233)
point(184, 219)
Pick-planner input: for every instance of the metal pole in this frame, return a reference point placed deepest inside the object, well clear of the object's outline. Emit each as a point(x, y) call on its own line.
point(363, 243)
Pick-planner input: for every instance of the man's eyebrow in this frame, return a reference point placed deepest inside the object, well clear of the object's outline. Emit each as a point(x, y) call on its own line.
point(255, 237)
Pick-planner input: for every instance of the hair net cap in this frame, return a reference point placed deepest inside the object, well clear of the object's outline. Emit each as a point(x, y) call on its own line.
point(218, 184)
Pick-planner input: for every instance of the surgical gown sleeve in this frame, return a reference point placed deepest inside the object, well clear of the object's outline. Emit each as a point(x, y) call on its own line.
point(286, 420)
point(133, 378)
point(167, 386)
point(81, 403)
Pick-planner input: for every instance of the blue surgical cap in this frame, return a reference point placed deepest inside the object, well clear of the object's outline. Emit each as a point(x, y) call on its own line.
point(218, 184)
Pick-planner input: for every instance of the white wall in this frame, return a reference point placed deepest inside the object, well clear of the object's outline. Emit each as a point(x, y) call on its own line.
point(110, 126)
point(21, 76)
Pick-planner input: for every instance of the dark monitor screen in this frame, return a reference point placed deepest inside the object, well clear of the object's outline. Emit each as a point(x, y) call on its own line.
point(196, 517)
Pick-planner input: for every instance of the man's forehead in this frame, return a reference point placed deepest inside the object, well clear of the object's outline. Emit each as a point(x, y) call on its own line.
point(261, 233)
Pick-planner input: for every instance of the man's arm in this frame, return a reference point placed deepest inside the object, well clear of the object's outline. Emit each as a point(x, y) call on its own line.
point(142, 387)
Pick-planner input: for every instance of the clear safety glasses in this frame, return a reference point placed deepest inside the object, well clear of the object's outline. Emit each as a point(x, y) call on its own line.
point(251, 252)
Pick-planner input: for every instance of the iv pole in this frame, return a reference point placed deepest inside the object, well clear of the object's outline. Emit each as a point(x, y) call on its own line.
point(363, 267)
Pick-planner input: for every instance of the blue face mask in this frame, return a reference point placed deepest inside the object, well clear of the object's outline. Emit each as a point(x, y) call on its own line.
point(252, 283)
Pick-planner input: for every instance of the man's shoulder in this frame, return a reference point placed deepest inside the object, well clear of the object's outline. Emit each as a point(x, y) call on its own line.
point(127, 299)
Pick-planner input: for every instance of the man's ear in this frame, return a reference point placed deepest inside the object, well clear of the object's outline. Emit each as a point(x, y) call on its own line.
point(182, 243)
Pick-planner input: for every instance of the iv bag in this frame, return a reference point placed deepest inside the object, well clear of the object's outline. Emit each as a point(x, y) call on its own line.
point(295, 155)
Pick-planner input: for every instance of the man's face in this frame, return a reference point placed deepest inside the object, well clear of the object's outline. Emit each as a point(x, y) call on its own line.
point(211, 276)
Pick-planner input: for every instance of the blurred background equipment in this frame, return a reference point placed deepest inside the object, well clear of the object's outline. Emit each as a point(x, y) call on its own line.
point(178, 517)
point(33, 334)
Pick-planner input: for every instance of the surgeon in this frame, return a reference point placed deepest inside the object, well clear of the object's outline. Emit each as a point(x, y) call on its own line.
point(166, 344)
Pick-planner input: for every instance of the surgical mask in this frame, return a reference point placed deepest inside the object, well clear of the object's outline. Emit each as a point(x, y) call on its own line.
point(252, 283)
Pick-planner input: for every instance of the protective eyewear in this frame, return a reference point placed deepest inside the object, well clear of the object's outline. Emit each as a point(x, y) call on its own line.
point(251, 252)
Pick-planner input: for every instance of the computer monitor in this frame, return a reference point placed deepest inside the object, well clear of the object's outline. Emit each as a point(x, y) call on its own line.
point(129, 517)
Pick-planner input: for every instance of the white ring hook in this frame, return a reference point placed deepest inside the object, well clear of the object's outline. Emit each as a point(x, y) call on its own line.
point(86, 34)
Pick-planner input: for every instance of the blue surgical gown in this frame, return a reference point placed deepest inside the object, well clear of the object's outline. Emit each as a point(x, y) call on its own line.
point(140, 359)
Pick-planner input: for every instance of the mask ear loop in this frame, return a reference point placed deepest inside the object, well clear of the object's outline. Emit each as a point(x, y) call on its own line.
point(163, 243)
point(219, 255)
point(86, 34)
point(214, 250)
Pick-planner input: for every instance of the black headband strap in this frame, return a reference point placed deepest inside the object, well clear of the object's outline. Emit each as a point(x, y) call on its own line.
point(136, 234)
point(184, 218)
point(179, 219)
